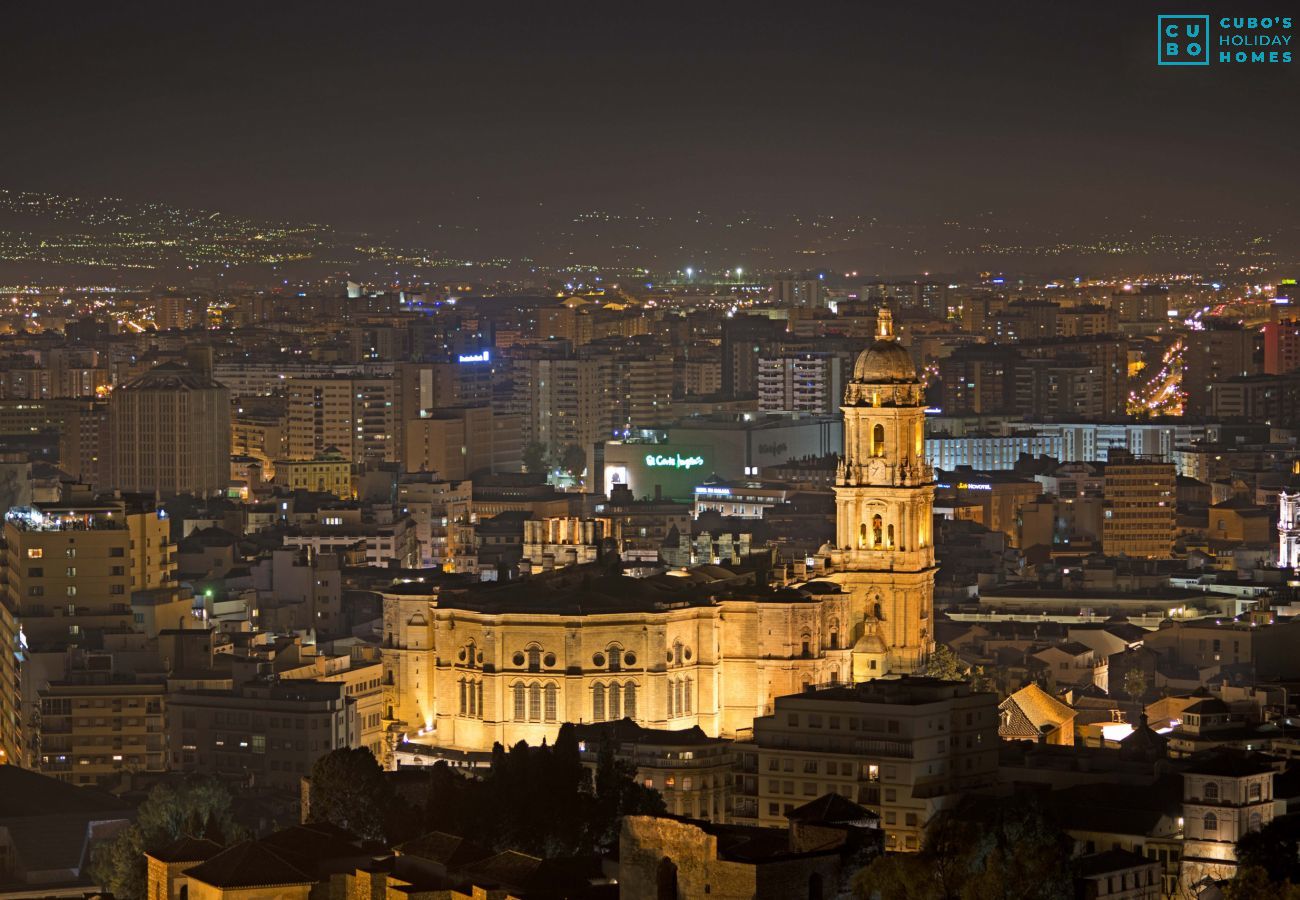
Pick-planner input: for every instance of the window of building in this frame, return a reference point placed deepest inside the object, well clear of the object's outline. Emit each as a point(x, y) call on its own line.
point(35, 552)
point(629, 700)
point(598, 703)
point(520, 703)
point(1211, 790)
point(1211, 823)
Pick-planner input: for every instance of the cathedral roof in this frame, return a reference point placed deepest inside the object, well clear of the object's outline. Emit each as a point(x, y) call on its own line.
point(870, 642)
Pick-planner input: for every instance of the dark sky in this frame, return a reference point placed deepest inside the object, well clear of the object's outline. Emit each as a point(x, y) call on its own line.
point(376, 113)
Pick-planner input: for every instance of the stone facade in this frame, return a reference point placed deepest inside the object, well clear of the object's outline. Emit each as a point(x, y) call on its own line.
point(505, 663)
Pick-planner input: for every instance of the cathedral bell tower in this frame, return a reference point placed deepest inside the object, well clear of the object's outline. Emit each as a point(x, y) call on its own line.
point(884, 498)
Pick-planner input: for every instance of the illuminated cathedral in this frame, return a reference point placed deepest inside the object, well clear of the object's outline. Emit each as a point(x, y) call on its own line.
point(470, 667)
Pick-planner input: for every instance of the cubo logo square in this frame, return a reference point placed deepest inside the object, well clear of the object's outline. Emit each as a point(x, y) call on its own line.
point(1183, 40)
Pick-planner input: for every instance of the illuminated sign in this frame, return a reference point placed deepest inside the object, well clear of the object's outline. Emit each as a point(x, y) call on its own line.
point(474, 357)
point(714, 491)
point(673, 462)
point(966, 486)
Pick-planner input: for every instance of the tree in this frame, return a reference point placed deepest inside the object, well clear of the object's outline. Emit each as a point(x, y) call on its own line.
point(573, 459)
point(534, 457)
point(348, 789)
point(944, 663)
point(981, 850)
point(1253, 883)
point(540, 800)
point(1273, 849)
point(196, 808)
point(1135, 683)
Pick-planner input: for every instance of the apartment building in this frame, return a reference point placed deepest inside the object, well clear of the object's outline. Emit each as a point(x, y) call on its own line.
point(904, 748)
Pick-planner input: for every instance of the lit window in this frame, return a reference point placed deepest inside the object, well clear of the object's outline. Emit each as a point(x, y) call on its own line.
point(35, 552)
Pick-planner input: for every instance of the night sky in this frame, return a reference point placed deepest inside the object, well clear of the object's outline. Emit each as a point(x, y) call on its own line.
point(373, 114)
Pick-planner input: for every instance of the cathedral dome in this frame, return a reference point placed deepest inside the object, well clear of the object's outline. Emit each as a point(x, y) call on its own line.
point(886, 361)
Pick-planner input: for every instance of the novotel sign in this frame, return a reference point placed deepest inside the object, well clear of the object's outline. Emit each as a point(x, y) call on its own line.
point(484, 356)
point(673, 462)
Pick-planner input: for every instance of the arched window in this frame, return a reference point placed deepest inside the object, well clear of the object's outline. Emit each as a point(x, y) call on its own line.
point(615, 702)
point(878, 440)
point(478, 693)
point(629, 700)
point(1211, 791)
point(534, 658)
point(686, 697)
point(598, 703)
point(862, 535)
point(470, 652)
point(521, 711)
point(889, 537)
point(877, 530)
point(552, 702)
point(806, 645)
point(534, 702)
point(878, 610)
point(835, 634)
point(677, 653)
point(615, 658)
point(1211, 823)
point(666, 880)
point(464, 704)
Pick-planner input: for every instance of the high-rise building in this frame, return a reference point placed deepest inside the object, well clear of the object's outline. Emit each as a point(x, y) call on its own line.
point(457, 442)
point(1223, 350)
point(69, 571)
point(1138, 518)
point(358, 416)
point(1282, 343)
point(561, 401)
point(744, 339)
point(800, 382)
point(797, 292)
point(169, 433)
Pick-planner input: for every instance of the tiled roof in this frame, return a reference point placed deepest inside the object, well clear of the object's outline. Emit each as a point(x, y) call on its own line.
point(1031, 708)
point(248, 864)
point(188, 849)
